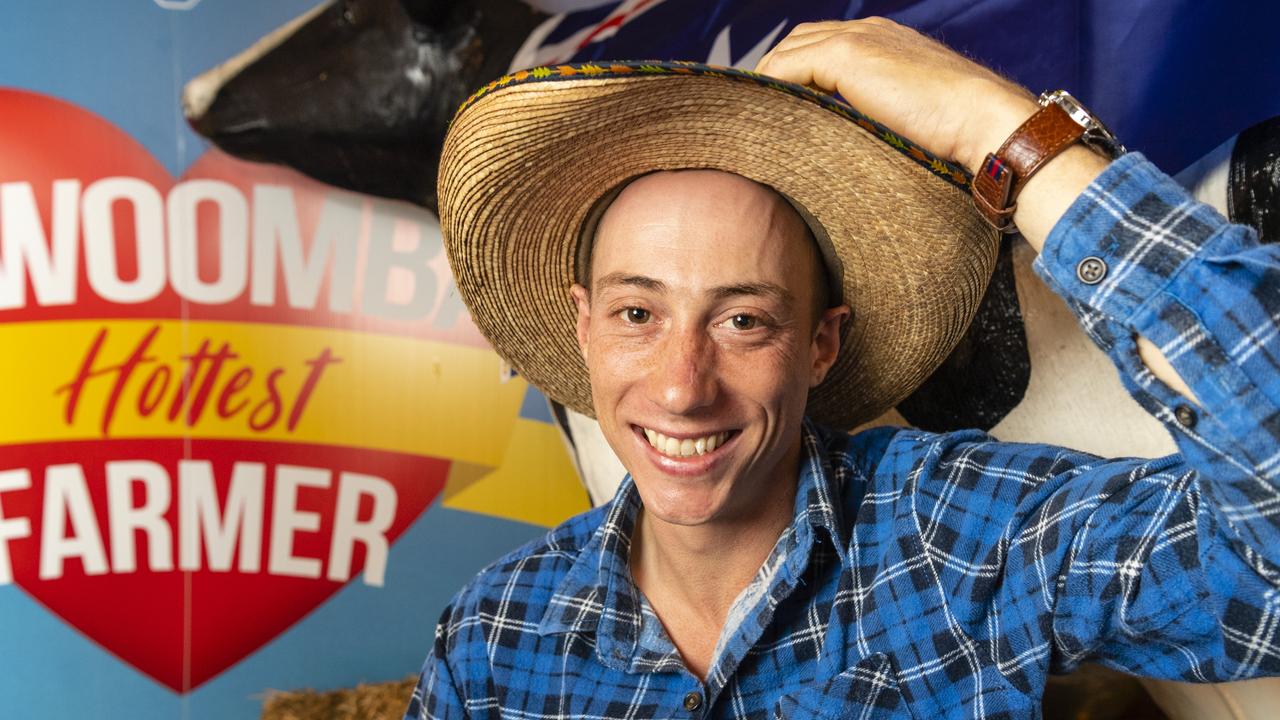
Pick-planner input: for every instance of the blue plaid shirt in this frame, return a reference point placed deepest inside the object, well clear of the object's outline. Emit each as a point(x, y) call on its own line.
point(931, 575)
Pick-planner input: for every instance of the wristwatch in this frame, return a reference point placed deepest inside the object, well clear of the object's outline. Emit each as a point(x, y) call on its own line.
point(1060, 122)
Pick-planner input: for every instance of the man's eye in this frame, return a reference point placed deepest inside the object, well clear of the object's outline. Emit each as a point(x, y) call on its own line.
point(635, 315)
point(744, 322)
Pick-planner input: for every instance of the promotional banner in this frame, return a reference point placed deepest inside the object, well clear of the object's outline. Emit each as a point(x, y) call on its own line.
point(249, 437)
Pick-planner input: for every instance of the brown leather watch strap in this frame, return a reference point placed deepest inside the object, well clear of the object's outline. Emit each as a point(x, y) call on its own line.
point(1005, 171)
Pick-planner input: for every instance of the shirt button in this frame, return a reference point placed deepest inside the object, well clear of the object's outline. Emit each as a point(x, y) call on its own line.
point(1091, 270)
point(692, 701)
point(1185, 416)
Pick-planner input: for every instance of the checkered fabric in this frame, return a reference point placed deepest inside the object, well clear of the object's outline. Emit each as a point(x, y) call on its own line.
point(933, 576)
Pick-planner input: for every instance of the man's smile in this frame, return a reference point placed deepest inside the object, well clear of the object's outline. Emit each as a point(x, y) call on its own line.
point(685, 451)
point(685, 445)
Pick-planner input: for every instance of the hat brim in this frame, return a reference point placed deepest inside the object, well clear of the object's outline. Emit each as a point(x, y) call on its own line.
point(527, 158)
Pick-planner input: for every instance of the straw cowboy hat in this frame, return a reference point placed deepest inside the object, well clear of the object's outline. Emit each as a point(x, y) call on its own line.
point(531, 159)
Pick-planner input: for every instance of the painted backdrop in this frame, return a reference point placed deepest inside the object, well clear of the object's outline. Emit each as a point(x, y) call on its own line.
point(249, 438)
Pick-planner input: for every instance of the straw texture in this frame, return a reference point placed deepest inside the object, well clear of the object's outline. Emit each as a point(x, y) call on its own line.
point(524, 163)
point(378, 701)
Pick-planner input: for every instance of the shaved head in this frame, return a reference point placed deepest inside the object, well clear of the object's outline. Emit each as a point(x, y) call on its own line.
point(719, 195)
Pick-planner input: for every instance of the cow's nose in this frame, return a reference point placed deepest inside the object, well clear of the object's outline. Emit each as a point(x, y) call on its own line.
point(198, 95)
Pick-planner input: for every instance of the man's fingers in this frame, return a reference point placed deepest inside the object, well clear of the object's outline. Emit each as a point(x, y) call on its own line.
point(910, 82)
point(788, 68)
point(793, 73)
point(808, 28)
point(809, 64)
point(806, 33)
point(793, 42)
point(825, 45)
point(792, 53)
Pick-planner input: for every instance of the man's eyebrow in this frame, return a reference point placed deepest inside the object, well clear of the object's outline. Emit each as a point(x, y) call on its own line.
point(640, 281)
point(721, 292)
point(759, 289)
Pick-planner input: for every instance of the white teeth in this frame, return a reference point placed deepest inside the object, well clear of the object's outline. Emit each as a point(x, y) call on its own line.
point(676, 447)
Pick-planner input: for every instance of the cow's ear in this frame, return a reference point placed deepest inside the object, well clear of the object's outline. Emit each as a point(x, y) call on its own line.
point(429, 13)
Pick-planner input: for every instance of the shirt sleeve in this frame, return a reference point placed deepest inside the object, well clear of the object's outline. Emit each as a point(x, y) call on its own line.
point(436, 696)
point(1182, 578)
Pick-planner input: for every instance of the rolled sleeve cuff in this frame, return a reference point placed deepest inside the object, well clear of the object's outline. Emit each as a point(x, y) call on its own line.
point(1124, 239)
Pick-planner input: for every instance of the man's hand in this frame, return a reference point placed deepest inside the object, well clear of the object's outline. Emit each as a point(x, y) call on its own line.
point(952, 106)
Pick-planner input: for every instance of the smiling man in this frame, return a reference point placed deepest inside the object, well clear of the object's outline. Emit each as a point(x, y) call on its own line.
point(704, 327)
point(730, 271)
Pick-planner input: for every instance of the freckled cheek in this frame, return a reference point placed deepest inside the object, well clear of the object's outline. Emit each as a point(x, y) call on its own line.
point(615, 363)
point(770, 384)
point(763, 369)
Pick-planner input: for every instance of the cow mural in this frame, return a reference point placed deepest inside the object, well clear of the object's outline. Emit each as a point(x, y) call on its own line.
point(1024, 371)
point(246, 433)
point(390, 72)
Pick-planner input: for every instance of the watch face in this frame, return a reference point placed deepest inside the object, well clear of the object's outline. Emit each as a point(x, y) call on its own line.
point(1096, 135)
point(1067, 102)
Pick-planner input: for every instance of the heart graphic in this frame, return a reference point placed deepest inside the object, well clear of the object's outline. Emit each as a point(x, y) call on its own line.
point(113, 557)
point(183, 628)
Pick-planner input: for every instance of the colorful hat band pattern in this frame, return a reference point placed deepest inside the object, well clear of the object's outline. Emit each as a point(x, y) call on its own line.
point(948, 171)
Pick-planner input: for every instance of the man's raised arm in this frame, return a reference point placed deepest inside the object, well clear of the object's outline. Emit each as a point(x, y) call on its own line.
point(951, 106)
point(1169, 568)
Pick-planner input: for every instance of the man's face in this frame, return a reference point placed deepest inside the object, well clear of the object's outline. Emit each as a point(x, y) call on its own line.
point(700, 338)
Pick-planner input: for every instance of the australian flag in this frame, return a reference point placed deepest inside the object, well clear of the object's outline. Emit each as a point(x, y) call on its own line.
point(1172, 78)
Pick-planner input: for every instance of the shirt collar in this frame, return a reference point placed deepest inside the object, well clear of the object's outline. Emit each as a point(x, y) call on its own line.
point(597, 594)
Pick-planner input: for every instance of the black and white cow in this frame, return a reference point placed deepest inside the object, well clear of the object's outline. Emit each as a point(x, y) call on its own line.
point(358, 93)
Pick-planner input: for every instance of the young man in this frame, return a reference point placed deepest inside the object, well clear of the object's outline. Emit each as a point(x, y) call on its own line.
point(754, 267)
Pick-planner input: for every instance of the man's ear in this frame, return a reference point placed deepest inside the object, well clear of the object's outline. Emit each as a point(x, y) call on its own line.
point(826, 342)
point(582, 299)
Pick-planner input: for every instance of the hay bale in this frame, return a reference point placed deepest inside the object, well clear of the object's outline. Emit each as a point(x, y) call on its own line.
point(1094, 692)
point(1091, 693)
point(376, 701)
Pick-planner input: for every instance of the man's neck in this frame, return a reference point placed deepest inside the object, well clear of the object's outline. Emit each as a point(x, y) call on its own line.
point(692, 575)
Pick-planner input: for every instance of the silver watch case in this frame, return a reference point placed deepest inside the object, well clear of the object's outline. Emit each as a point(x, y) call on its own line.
point(1096, 135)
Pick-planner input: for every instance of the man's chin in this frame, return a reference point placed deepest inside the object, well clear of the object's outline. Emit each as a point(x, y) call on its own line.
point(680, 509)
point(685, 498)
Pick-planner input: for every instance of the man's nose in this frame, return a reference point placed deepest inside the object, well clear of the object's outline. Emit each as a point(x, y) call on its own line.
point(685, 380)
